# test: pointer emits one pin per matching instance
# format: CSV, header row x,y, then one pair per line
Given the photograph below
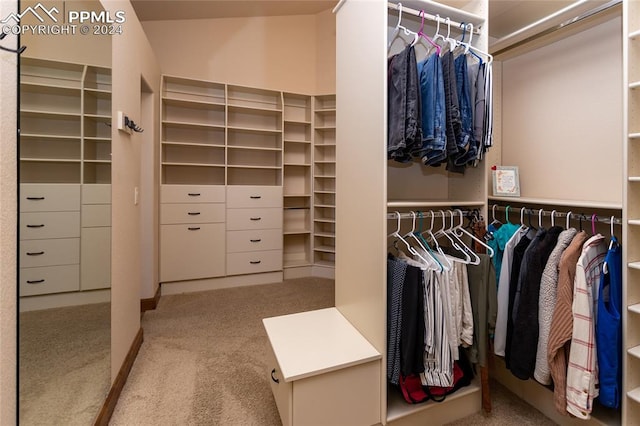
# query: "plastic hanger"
x,y
397,235
398,27
540,218
493,215
423,243
473,237
593,223
568,219
613,242
426,37
470,256
430,264
553,218
443,257
443,233
506,214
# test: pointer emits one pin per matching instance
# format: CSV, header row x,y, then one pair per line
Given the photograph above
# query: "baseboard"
x,y
323,272
151,303
118,384
61,300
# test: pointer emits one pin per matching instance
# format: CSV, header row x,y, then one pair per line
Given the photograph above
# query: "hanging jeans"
x,y
467,151
434,138
404,109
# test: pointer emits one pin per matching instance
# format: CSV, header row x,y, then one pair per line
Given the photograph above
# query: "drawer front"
x,y
254,262
243,219
49,279
95,259
254,196
192,251
192,194
192,213
254,240
282,391
35,226
96,215
49,197
96,193
62,251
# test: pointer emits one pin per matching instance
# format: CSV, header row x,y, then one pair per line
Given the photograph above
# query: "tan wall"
x,y
132,59
84,49
326,52
8,225
270,52
561,117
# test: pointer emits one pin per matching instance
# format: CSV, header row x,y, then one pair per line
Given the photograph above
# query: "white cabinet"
x,y
254,229
95,256
192,232
322,371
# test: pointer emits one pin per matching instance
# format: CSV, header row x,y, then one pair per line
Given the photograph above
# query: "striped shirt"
x,y
582,371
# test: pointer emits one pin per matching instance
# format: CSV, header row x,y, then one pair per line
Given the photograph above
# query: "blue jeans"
x,y
434,138
404,107
467,150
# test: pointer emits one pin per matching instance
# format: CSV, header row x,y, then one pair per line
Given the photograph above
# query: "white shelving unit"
x,y
631,213
324,181
65,176
297,161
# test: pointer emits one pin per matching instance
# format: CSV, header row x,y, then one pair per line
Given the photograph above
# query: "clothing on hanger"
x,y
547,303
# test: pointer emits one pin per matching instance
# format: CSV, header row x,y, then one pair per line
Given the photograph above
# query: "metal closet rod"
x,y
426,214
443,20
574,215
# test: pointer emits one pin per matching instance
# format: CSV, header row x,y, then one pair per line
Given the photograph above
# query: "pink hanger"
x,y
593,223
426,37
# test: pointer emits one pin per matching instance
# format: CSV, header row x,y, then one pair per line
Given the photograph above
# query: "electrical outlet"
x,y
121,122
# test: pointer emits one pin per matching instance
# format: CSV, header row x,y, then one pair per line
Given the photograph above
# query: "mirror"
x,y
64,215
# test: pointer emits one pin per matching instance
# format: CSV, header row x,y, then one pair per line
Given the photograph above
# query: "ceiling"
x,y
505,16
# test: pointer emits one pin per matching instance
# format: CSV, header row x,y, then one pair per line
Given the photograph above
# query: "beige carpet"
x,y
203,360
64,364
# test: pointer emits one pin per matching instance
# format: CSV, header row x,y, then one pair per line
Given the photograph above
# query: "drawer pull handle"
x,y
193,228
193,213
255,197
35,281
194,194
272,377
255,262
35,253
255,218
256,241
35,226
35,198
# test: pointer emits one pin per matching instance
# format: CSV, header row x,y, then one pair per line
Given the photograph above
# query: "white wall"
x,y
8,225
132,59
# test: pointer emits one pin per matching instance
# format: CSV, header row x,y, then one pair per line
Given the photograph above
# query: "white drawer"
x,y
49,279
254,196
193,251
242,219
192,194
36,226
96,215
192,213
254,240
49,197
62,251
96,193
254,262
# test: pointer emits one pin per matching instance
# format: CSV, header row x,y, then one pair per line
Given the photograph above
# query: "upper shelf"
x,y
552,202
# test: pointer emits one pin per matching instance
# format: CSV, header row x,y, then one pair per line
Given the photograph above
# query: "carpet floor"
x,y
203,360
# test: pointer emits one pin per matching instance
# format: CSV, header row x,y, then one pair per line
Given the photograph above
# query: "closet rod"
x,y
469,18
535,30
426,214
558,215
